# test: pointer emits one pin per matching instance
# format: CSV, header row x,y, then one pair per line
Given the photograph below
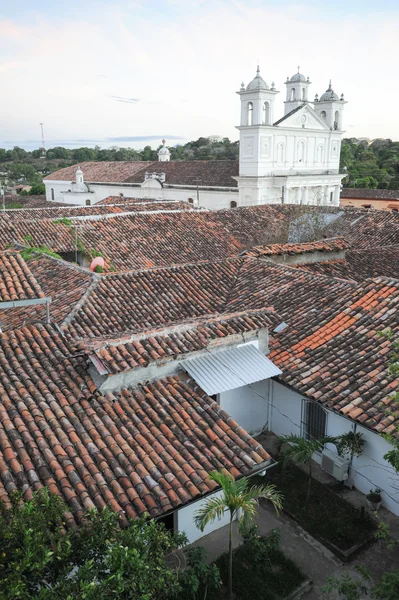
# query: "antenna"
x,y
43,148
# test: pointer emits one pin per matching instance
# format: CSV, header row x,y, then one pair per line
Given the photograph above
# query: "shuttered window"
x,y
314,420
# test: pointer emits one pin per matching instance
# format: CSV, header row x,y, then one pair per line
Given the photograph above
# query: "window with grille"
x,y
314,420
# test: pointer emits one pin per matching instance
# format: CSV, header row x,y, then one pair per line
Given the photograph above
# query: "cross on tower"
x,y
298,68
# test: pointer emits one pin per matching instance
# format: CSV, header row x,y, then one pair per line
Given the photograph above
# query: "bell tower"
x,y
330,108
257,118
297,91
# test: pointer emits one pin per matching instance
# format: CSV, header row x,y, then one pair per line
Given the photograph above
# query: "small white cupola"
x,y
79,175
79,184
297,91
330,108
163,152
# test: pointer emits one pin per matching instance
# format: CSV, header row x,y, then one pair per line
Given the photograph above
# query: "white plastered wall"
x,y
185,520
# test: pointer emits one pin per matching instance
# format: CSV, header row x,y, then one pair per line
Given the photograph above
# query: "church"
x,y
291,160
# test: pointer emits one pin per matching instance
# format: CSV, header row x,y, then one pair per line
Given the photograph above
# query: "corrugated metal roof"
x,y
229,369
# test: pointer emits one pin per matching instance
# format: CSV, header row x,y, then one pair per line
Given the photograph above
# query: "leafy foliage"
x,y
350,443
199,578
299,450
237,498
262,570
326,516
42,559
27,253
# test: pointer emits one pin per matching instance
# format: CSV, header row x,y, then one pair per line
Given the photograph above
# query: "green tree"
x,y
296,449
37,189
239,500
41,558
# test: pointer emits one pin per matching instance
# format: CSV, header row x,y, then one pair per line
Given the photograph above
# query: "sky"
x,y
130,72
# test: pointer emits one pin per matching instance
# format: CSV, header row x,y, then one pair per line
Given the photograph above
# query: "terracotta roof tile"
x,y
146,449
325,245
16,280
130,353
360,264
339,358
186,172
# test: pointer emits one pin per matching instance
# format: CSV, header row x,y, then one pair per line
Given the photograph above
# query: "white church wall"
x,y
248,405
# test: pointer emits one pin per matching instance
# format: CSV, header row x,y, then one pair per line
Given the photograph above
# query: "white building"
x,y
292,160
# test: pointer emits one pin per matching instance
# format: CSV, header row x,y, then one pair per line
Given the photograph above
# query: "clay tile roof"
x,y
366,228
151,239
16,280
101,172
69,212
326,245
368,194
133,352
144,450
212,173
338,357
360,264
65,283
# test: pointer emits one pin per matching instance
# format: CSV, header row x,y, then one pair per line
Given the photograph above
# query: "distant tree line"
x,y
367,164
370,164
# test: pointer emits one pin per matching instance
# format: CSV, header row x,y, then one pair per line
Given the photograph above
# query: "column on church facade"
x,y
297,195
306,196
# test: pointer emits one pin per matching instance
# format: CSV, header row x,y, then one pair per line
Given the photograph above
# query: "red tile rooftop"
x,y
144,450
214,173
325,245
16,280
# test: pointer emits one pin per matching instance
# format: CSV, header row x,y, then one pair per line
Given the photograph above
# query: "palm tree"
x,y
240,501
300,450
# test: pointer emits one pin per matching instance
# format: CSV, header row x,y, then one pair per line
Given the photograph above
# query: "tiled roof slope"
x,y
65,283
134,352
148,449
366,228
212,173
31,202
293,293
118,200
155,298
368,194
340,360
326,245
360,264
16,280
101,172
209,172
145,240
34,214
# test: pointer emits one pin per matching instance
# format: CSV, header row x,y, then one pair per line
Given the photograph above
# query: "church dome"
x,y
329,95
257,83
298,77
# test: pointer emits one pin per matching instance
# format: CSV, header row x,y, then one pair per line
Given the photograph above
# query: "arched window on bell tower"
x,y
323,114
250,113
266,113
292,96
304,94
337,124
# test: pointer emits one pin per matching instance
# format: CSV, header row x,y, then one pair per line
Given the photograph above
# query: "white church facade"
x,y
294,160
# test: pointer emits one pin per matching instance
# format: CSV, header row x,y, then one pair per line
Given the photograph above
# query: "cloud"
x,y
199,51
123,99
